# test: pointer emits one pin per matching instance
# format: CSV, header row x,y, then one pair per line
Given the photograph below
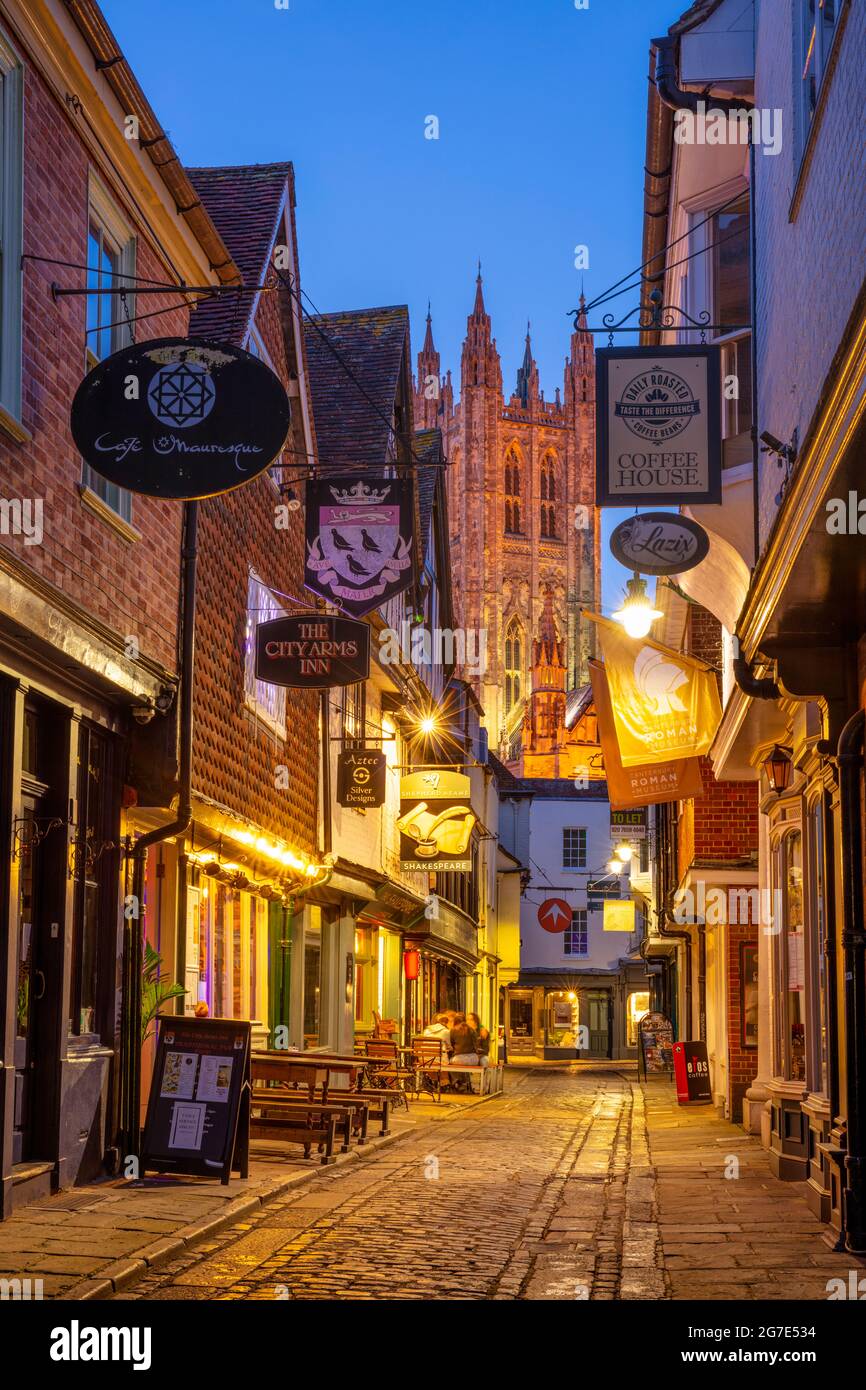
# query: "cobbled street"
x,y
575,1184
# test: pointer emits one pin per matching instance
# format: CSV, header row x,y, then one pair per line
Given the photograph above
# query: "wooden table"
x,y
314,1069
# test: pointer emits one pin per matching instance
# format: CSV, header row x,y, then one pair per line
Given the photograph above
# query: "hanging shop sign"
x,y
629,825
648,784
436,820
178,418
692,1073
198,1113
618,916
655,1045
361,778
659,543
359,540
312,651
665,705
658,425
554,915
601,890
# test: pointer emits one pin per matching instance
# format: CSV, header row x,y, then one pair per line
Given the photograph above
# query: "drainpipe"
x,y
702,981
130,1038
673,95
758,687
850,757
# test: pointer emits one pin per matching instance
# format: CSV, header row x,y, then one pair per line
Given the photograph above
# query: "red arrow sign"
x,y
554,915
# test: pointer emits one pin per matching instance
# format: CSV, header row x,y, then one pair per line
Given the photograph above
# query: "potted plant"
x,y
154,990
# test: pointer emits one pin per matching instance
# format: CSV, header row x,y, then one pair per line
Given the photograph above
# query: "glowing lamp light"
x,y
427,725
615,866
411,964
624,851
637,614
779,769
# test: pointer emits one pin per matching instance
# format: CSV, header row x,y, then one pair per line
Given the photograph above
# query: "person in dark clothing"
x,y
482,1039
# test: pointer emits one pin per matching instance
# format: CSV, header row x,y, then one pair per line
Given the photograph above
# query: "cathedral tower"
x,y
524,526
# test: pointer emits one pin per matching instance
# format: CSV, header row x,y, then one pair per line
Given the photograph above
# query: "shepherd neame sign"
x,y
180,418
658,425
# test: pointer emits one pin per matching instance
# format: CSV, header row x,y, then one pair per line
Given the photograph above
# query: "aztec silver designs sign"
x,y
180,417
359,540
658,425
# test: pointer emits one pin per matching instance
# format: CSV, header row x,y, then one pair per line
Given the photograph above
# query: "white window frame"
x,y
267,702
581,830
580,926
824,46
102,210
11,234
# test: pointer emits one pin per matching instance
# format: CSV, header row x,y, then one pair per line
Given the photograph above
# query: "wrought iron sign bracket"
x,y
658,318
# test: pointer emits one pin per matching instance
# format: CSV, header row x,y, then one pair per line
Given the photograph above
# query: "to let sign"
x,y
311,651
658,425
361,778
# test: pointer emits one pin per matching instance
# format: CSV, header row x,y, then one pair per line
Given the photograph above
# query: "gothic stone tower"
x,y
521,495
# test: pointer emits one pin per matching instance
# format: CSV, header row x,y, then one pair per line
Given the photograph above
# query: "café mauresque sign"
x,y
659,543
180,418
658,425
312,651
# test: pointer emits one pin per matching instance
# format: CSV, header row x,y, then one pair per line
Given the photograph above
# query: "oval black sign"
x,y
312,651
180,417
659,543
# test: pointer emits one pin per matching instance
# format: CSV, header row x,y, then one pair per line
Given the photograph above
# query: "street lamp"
x,y
624,851
779,769
637,614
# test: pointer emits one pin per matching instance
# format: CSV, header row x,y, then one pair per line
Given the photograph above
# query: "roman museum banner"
x,y
644,785
665,705
178,418
359,540
658,425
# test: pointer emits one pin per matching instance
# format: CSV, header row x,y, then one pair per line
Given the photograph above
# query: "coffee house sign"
x,y
658,425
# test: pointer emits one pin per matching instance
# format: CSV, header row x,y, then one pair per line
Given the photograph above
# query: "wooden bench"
x,y
282,1112
490,1076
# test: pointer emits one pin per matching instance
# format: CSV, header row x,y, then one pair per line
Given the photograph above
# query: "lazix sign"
x,y
359,540
658,425
180,418
312,651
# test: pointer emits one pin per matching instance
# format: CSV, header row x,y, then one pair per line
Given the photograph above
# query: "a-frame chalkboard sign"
x,y
198,1113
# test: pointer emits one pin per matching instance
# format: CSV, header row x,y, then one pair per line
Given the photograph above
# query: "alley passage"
x,y
574,1184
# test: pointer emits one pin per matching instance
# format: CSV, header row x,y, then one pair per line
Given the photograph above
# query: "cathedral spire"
x,y
428,349
478,310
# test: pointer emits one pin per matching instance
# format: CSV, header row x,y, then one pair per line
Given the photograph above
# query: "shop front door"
x,y
32,1082
521,1039
598,1019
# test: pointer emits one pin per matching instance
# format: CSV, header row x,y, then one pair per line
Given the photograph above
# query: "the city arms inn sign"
x,y
658,425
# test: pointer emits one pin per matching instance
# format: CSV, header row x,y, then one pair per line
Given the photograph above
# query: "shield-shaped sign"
x,y
180,417
359,540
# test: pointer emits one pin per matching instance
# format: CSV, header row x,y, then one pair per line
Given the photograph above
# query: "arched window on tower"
x,y
584,388
513,663
548,496
512,492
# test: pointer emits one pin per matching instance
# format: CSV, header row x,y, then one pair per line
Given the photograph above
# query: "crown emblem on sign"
x,y
359,495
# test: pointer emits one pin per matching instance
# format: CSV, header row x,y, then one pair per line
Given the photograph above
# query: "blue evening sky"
x,y
542,118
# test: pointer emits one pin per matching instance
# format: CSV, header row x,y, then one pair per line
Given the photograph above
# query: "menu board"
x,y
198,1111
692,1073
655,1051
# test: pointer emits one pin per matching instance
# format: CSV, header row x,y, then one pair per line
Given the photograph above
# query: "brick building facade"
x,y
521,502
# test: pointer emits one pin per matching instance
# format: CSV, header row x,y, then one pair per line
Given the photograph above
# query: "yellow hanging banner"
x,y
665,705
619,914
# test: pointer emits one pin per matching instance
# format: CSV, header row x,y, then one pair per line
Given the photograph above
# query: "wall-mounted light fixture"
x,y
779,768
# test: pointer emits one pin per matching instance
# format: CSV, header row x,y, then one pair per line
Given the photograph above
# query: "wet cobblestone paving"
x,y
576,1185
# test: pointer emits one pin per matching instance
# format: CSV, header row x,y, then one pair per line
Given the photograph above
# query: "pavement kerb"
x,y
127,1270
